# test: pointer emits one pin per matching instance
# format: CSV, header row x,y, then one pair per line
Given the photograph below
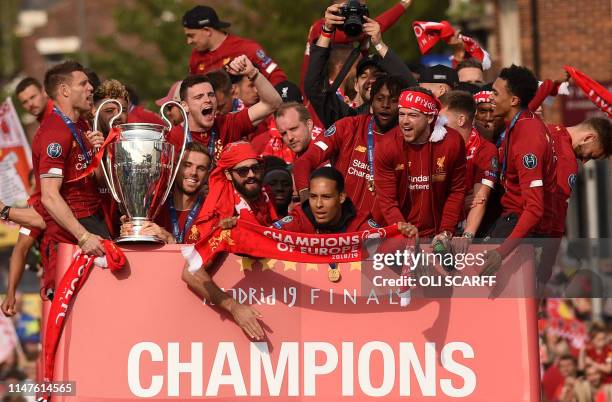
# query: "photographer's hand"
x,y
332,20
372,29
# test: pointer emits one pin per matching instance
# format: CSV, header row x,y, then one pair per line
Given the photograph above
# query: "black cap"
x,y
439,74
370,61
203,17
289,92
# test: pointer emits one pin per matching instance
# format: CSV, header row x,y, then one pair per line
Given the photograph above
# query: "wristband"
x,y
327,31
84,238
4,214
327,35
379,47
254,76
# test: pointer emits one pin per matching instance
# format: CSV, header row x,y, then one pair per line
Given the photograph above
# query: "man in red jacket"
x,y
350,145
329,210
213,130
213,48
420,169
527,166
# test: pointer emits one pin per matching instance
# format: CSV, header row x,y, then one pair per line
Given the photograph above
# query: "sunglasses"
x,y
243,171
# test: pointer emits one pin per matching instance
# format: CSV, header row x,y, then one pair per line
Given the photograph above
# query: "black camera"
x,y
353,12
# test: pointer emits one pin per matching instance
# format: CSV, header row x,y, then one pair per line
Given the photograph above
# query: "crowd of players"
x,y
435,150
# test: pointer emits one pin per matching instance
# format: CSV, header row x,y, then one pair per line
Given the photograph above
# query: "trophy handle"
x,y
110,124
185,136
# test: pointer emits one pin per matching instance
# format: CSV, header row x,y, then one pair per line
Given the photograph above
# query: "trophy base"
x,y
138,239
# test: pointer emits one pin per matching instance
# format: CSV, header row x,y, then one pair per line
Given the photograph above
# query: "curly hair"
x,y
110,89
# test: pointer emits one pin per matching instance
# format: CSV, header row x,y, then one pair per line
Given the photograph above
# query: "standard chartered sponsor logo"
x,y
360,169
419,182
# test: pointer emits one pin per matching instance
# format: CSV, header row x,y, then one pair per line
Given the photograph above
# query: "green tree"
x,y
148,51
281,26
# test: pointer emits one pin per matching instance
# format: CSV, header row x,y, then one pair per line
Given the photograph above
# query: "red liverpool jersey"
x,y
56,153
234,46
530,177
345,144
422,184
567,170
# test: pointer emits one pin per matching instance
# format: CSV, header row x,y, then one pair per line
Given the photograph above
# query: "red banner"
x,y
140,333
266,242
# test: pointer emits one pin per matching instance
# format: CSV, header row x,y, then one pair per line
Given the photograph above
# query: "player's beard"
x,y
248,194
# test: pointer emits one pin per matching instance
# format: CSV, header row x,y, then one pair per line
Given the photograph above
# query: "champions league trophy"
x,y
139,169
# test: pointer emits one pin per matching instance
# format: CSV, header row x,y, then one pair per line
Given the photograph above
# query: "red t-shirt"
x,y
567,169
234,46
139,114
481,162
345,144
297,221
386,20
163,219
55,153
530,177
421,184
228,128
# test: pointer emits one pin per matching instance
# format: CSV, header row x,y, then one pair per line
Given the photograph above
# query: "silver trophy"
x,y
139,169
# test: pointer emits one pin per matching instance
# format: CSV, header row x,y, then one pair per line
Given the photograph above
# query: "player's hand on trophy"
x,y
228,223
95,138
8,305
91,244
153,229
241,65
246,317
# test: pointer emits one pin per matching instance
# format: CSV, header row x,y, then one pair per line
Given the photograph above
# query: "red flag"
x,y
596,93
429,33
474,51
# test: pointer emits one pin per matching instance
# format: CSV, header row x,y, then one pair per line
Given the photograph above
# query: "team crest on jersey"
x,y
530,161
399,166
279,224
571,180
201,67
54,150
330,131
440,164
373,224
360,148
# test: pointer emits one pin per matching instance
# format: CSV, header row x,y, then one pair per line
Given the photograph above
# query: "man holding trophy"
x,y
216,131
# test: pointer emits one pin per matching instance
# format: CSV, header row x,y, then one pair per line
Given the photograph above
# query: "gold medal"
x,y
333,274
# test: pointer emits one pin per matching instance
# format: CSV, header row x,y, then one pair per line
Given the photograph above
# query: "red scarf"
x,y
473,143
429,33
275,145
70,284
222,200
95,162
595,91
266,242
